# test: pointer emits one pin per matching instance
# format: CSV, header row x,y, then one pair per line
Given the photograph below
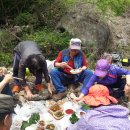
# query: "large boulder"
x,y
83,21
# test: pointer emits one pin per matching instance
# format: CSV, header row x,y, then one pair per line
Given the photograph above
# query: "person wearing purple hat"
x,y
110,76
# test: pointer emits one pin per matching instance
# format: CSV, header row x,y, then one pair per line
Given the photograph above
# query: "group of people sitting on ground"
x,y
106,76
28,55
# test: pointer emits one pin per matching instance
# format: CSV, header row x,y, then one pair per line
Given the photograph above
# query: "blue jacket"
x,y
110,79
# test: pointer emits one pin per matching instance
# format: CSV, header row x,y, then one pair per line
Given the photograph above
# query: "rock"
x,y
84,22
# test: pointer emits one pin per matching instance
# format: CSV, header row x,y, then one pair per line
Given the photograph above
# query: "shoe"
x,y
123,101
39,87
74,87
59,96
16,89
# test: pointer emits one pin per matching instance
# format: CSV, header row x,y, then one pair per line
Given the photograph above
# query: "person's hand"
x,y
29,95
65,65
80,98
77,99
80,70
8,78
3,71
127,90
50,90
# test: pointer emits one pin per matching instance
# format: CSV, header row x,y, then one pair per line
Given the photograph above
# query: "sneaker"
x,y
74,87
123,101
16,89
59,96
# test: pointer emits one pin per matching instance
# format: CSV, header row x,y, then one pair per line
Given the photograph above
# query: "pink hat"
x,y
102,68
99,95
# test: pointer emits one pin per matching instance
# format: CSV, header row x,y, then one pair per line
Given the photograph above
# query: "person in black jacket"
x,y
28,55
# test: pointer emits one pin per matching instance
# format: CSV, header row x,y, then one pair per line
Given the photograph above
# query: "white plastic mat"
x,y
24,113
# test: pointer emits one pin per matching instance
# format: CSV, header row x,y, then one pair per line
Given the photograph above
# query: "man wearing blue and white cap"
x,y
6,111
66,63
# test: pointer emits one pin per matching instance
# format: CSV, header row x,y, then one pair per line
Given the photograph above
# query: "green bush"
x,y
25,18
117,6
50,41
5,59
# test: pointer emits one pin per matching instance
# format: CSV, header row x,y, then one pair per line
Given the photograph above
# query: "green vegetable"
x,y
73,119
85,107
24,125
32,120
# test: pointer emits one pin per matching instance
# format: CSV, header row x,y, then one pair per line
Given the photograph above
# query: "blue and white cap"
x,y
75,43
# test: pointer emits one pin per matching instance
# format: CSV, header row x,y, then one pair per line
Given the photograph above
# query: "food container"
x,y
50,126
54,108
58,115
41,125
74,71
69,111
81,113
56,111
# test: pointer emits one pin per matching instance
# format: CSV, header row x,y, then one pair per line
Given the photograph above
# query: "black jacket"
x,y
25,49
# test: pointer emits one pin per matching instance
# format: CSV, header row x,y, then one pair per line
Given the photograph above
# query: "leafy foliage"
x,y
85,107
35,117
24,19
6,49
50,41
41,13
117,6
73,119
5,59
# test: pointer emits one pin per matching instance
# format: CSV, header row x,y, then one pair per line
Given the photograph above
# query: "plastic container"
x,y
58,115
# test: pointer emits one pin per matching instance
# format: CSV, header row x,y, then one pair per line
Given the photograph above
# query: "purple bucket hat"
x,y
102,68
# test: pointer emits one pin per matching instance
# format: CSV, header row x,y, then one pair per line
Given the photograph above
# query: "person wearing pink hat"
x,y
110,76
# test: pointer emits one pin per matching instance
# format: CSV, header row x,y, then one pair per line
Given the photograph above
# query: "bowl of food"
x,y
41,125
75,71
81,113
69,111
50,127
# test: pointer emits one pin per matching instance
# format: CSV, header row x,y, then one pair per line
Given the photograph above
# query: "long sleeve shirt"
x,y
25,49
109,79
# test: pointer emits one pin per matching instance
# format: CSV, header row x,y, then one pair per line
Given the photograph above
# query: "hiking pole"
x,y
17,78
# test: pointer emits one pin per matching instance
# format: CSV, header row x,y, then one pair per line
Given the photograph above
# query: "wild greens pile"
x,y
73,119
35,117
